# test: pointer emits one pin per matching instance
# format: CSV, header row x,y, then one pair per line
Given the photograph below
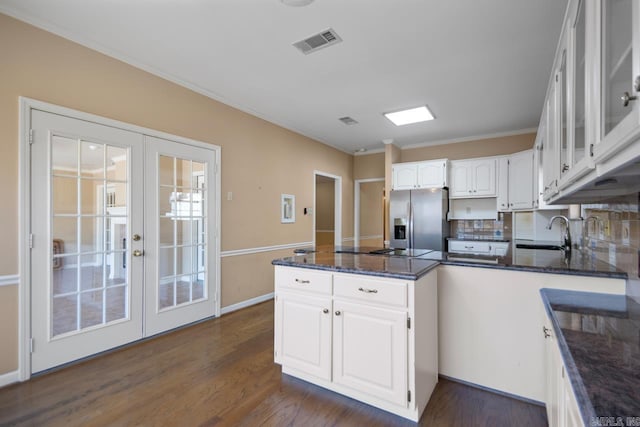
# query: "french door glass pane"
x,y
617,38
182,270
89,190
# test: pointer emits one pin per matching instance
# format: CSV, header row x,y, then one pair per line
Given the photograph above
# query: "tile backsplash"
x,y
482,229
613,236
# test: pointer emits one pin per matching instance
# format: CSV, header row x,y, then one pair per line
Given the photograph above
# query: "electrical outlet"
x,y
626,233
230,195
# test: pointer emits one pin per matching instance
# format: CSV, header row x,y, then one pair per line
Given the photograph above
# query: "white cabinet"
x,y
521,180
591,118
370,350
359,335
560,400
427,174
473,178
515,181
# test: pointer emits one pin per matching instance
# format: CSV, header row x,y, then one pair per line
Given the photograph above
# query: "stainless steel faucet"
x,y
567,234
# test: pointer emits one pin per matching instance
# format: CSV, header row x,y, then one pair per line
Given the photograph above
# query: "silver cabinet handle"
x,y
368,291
565,167
468,247
338,313
303,282
325,311
546,331
626,98
136,237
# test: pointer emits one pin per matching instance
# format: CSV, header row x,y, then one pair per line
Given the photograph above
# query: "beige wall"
x,y
260,160
471,149
8,328
325,206
368,166
371,208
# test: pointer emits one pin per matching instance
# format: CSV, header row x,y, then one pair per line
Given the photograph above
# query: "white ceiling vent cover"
x,y
349,121
318,41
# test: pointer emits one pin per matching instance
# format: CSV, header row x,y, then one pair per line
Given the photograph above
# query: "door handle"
x,y
136,237
138,252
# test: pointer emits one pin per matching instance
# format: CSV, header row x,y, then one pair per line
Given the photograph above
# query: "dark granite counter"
x,y
599,340
533,260
405,268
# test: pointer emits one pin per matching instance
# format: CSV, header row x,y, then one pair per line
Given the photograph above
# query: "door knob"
x,y
626,98
136,237
338,313
138,252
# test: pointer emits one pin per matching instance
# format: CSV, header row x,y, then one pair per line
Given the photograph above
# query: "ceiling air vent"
x,y
318,41
348,120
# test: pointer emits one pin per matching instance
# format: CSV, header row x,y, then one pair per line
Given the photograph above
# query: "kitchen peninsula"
x,y
478,307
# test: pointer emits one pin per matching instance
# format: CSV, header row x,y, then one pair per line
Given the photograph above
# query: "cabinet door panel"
x,y
485,178
404,176
521,180
370,350
460,180
431,175
304,332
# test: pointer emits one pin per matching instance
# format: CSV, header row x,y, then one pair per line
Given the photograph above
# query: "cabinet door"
x,y
620,66
521,180
484,174
503,184
303,334
432,174
405,177
461,177
370,350
551,149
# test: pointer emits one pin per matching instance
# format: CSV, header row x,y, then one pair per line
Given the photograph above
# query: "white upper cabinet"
x,y
617,51
521,180
473,178
503,184
428,174
591,118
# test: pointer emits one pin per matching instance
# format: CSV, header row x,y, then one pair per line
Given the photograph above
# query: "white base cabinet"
x,y
560,400
490,332
360,336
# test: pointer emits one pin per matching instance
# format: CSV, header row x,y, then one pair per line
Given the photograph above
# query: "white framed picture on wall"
x,y
288,208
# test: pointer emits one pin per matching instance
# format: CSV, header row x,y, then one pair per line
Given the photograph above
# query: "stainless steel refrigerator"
x,y
418,219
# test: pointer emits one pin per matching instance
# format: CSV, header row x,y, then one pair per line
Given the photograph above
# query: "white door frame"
x,y
356,208
24,210
337,206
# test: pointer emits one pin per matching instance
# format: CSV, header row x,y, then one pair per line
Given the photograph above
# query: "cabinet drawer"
x,y
469,247
371,290
304,280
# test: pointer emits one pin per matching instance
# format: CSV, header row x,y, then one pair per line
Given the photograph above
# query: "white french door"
x,y
178,197
122,230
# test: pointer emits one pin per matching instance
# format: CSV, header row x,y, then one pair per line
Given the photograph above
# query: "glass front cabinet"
x,y
591,112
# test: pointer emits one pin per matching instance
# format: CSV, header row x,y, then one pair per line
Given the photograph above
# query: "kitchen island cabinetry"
x,y
489,325
359,335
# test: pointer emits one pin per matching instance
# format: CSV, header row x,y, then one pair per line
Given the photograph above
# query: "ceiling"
x,y
482,66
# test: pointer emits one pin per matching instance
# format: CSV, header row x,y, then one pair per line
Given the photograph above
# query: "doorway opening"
x,y
327,208
369,213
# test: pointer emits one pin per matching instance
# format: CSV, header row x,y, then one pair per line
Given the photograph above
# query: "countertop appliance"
x,y
418,219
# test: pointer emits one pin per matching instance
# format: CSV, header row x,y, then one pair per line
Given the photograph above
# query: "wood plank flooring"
x,y
221,373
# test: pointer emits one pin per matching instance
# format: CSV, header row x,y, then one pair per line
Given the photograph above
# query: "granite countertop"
x,y
533,260
599,340
405,268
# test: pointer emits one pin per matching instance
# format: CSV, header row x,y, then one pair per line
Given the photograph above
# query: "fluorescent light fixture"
x,y
412,115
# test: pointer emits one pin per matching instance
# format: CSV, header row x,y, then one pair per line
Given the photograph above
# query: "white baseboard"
x,y
246,303
9,378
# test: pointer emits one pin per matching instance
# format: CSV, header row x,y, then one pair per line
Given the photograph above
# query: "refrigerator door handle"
x,y
410,240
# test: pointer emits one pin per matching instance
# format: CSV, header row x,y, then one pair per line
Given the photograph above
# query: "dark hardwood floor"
x,y
221,373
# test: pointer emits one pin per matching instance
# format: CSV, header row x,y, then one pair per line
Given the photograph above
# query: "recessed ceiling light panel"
x,y
412,115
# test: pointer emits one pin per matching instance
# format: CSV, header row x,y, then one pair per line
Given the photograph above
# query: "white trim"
x,y
377,236
324,231
337,206
348,239
246,303
249,251
356,205
10,279
9,378
470,138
